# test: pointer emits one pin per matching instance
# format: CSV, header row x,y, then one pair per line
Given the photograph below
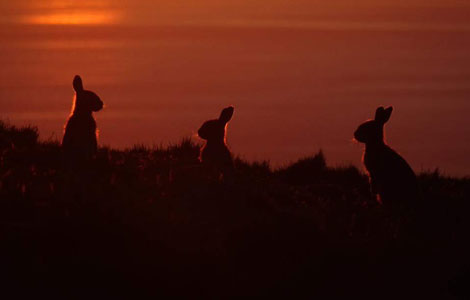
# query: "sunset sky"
x,y
302,74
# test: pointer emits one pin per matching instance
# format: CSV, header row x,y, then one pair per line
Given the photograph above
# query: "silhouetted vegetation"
x,y
148,221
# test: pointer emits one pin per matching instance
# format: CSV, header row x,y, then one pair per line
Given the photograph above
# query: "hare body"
x,y
215,152
80,138
391,177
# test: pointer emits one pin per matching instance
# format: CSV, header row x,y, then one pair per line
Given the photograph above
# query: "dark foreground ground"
x,y
149,222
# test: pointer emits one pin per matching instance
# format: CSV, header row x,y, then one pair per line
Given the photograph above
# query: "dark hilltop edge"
x,y
147,221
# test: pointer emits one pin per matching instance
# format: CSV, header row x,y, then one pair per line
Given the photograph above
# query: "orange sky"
x,y
317,67
157,12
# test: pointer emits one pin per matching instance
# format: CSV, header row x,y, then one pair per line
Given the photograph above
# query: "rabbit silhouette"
x,y
392,180
80,138
215,152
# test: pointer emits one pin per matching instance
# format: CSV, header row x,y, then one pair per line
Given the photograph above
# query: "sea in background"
x,y
301,74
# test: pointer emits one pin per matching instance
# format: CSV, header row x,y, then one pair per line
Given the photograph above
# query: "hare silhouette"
x,y
392,180
80,142
215,152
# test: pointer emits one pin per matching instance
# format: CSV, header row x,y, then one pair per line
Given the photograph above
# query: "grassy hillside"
x,y
149,221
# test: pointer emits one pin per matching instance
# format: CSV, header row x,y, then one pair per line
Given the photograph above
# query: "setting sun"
x,y
75,18
60,12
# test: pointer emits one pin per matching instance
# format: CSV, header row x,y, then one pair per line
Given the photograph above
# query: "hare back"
x,y
216,155
392,175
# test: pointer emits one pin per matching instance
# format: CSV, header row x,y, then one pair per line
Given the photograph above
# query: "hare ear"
x,y
226,114
382,115
77,84
379,113
387,114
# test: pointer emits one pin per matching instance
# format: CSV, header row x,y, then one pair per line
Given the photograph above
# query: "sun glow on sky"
x,y
60,12
75,18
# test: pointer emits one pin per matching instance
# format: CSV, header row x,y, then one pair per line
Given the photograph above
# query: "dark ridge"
x,y
146,221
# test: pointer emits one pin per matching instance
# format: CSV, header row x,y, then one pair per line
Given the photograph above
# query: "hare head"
x,y
85,101
372,131
214,130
